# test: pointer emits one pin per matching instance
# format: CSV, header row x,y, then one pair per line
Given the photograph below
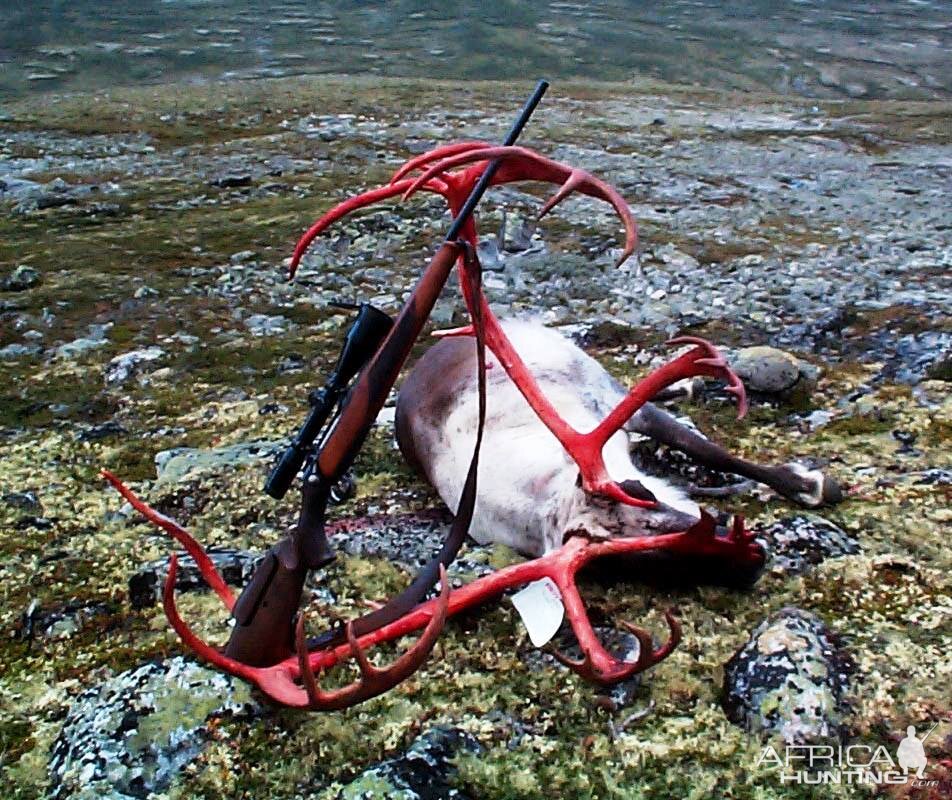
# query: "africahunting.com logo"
x,y
854,764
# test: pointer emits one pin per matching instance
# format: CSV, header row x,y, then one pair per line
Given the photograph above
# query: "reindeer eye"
x,y
637,491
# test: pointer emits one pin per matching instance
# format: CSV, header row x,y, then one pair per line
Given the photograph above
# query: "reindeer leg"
x,y
810,488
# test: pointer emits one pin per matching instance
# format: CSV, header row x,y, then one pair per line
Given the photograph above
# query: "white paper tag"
x,y
540,606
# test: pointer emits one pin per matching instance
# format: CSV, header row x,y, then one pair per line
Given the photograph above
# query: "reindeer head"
x,y
598,517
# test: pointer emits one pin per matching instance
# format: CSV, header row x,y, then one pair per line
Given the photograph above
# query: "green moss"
x,y
16,738
875,422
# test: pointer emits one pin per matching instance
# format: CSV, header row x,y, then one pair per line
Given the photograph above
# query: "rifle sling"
x,y
410,597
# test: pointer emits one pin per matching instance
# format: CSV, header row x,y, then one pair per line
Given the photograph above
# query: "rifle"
x,y
375,351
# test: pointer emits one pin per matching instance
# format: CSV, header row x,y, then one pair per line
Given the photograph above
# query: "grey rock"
x,y
423,772
14,351
242,256
767,369
796,544
818,418
264,325
19,189
56,199
231,180
22,278
936,476
60,622
408,540
292,362
914,357
125,366
183,463
235,566
105,430
25,501
129,736
789,679
78,347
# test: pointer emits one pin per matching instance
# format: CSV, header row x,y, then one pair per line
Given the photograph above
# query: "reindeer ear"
x,y
636,490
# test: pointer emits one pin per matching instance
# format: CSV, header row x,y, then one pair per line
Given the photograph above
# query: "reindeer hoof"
x,y
815,489
832,492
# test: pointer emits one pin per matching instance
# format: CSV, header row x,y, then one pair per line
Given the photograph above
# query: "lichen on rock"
x,y
789,680
130,736
795,544
423,772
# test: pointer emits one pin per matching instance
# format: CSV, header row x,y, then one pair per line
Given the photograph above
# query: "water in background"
x,y
827,48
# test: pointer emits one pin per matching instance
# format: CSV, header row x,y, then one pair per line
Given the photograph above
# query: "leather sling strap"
x,y
410,597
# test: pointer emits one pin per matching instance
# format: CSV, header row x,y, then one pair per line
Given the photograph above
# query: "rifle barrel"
x,y
480,188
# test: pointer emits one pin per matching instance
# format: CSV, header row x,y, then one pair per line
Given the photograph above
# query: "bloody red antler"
x,y
373,681
522,164
292,682
518,164
353,204
586,448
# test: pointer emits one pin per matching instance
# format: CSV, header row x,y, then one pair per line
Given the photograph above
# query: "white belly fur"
x,y
526,480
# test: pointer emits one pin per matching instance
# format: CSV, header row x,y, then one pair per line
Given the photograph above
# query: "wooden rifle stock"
x,y
264,613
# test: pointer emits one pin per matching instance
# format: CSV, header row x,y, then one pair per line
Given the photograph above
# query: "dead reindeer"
x,y
556,481
531,498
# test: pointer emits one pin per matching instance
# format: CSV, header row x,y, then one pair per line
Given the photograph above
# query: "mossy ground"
x,y
543,732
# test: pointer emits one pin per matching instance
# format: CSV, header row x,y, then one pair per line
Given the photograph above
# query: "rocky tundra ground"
x,y
147,326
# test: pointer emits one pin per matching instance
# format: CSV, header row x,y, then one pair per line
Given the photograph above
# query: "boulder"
x,y
788,680
125,366
768,370
797,544
184,463
130,735
22,278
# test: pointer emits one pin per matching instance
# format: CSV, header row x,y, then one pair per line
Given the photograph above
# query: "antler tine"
x,y
575,180
704,359
314,695
438,153
648,656
520,164
205,565
620,671
373,680
571,663
716,366
597,664
351,204
738,544
200,647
